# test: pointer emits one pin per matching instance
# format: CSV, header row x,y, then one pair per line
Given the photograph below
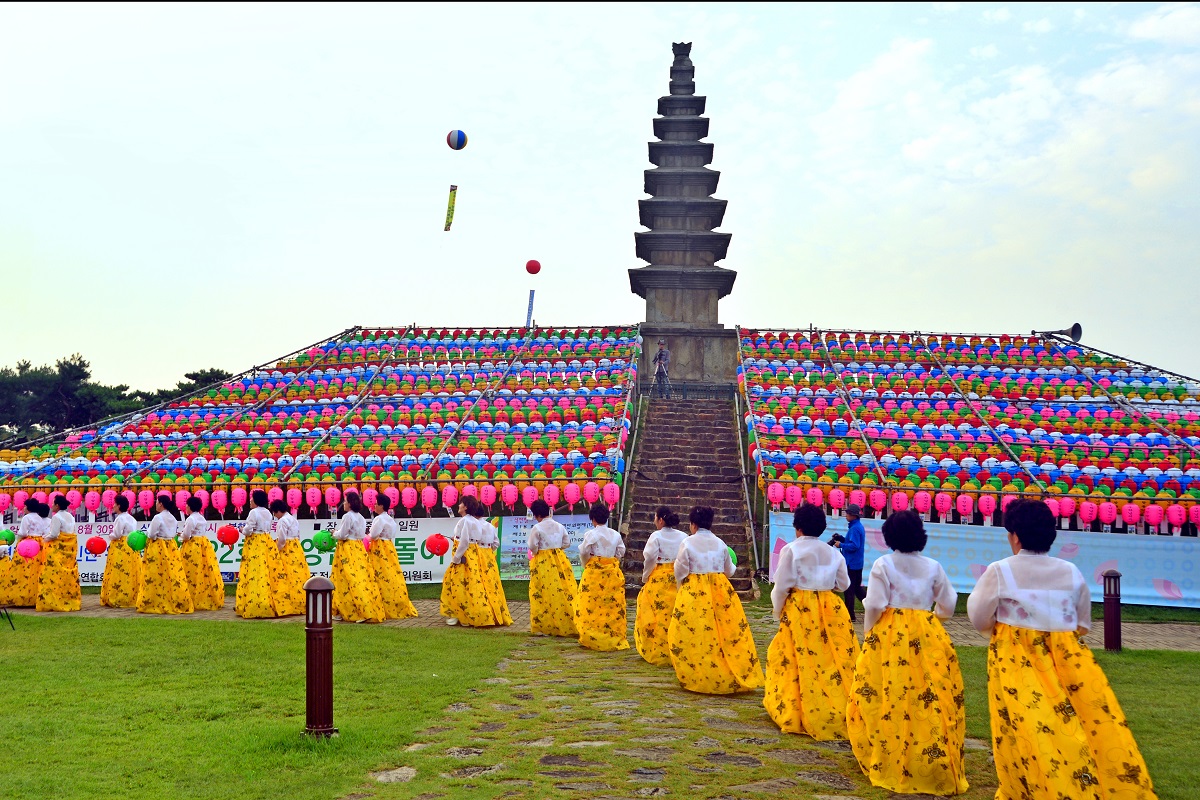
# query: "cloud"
x,y
985,52
997,15
1041,26
1177,23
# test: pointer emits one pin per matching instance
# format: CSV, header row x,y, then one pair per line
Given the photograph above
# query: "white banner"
x,y
514,544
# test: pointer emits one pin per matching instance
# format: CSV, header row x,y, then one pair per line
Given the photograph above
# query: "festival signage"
x,y
1155,570
514,544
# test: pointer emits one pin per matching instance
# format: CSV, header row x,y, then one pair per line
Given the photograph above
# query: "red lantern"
x,y
437,544
227,535
96,545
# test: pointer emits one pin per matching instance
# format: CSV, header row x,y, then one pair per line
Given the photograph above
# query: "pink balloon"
x,y
792,495
571,493
591,492
312,496
408,497
238,497
550,495
899,501
612,493
91,501
28,548
429,497
449,495
528,495
487,495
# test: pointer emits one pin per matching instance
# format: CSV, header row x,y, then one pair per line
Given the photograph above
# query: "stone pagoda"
x,y
682,283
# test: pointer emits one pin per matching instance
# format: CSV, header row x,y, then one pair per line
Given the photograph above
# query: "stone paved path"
x,y
1135,635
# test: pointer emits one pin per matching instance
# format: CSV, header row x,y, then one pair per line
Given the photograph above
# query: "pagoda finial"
x,y
682,72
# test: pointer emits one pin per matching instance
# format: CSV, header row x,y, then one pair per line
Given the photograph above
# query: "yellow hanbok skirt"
x,y
291,573
905,717
655,602
58,585
24,575
810,666
466,592
122,576
164,588
552,594
5,574
355,592
1056,725
256,578
393,591
495,588
709,638
203,573
600,607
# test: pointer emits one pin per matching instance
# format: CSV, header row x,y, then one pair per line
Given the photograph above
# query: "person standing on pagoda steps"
x,y
256,577
123,567
164,588
200,561
600,608
291,567
1057,728
58,585
656,600
25,573
811,660
552,588
393,591
905,717
356,595
712,648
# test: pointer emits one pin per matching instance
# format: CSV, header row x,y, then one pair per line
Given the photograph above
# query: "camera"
x,y
837,537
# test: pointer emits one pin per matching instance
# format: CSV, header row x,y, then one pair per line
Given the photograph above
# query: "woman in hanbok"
x,y
393,591
489,542
656,600
466,595
164,588
200,561
810,663
123,566
58,585
905,717
600,608
552,587
356,595
291,567
711,645
1057,728
25,573
256,576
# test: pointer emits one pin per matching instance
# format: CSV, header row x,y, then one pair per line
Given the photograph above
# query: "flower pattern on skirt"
x,y
711,646
291,573
164,588
655,603
810,666
355,592
906,718
600,606
552,594
490,560
23,576
393,591
256,578
58,585
5,575
1057,729
122,576
466,590
203,574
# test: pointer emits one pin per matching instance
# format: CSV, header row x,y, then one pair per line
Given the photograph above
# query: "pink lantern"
x,y
370,498
1006,501
1052,504
470,491
146,500
858,497
775,495
1176,516
238,497
899,501
40,496
1194,514
429,497
408,498
814,496
109,499
449,495
487,495
792,495
333,496
274,493
508,495
29,548
181,498
877,499
591,492
1088,512
312,496
91,501
1154,517
1108,514
1131,514
612,493
571,493
528,495
19,498
922,502
5,502
220,500
837,499
1066,508
294,498
74,498
551,495
987,507
943,502
393,494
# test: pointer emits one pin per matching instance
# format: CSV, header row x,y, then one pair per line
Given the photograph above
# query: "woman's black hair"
x,y
168,504
809,520
540,508
701,517
279,506
354,501
122,503
384,501
194,504
1033,523
471,504
904,532
61,503
43,510
598,513
32,504
259,497
669,517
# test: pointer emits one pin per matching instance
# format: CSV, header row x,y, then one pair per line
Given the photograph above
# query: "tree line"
x,y
36,401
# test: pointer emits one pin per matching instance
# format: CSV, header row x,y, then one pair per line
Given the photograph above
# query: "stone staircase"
x,y
687,455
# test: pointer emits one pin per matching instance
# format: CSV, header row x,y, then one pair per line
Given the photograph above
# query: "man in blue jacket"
x,y
852,550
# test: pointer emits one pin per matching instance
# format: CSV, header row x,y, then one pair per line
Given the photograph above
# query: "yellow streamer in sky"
x,y
450,206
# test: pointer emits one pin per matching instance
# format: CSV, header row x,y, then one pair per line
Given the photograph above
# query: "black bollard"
x,y
319,657
1112,611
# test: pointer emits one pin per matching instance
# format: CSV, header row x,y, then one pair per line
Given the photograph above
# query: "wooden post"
x,y
319,657
1112,611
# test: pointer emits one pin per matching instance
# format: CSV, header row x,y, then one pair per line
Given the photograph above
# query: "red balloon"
x,y
533,267
227,535
437,544
96,545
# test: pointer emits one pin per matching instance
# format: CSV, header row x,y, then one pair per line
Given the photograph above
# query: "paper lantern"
x,y
487,495
74,498
899,501
551,495
220,500
508,495
1066,507
370,497
792,495
1052,504
19,498
7,537
1176,517
145,500
837,498
28,548
449,495
775,495
987,505
5,501
294,498
274,493
965,504
96,545
612,493
1108,513
877,499
429,497
1154,517
228,535
437,544
732,556
528,495
181,498
591,492
136,541
1131,514
238,497
922,501
814,496
571,493
367,544
324,541
408,498
943,502
858,497
1088,512
393,494
312,496
91,501
333,496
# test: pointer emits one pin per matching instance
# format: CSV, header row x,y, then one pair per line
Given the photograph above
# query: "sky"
x,y
216,185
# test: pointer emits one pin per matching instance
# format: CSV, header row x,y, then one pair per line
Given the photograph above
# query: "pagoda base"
x,y
707,354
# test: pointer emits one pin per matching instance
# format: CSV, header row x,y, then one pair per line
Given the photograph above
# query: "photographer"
x,y
662,366
851,546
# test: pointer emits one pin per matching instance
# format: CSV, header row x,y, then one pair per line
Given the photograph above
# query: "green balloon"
x,y
7,537
733,556
136,541
323,541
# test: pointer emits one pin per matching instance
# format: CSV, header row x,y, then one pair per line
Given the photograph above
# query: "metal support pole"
x,y
529,311
319,657
1112,611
